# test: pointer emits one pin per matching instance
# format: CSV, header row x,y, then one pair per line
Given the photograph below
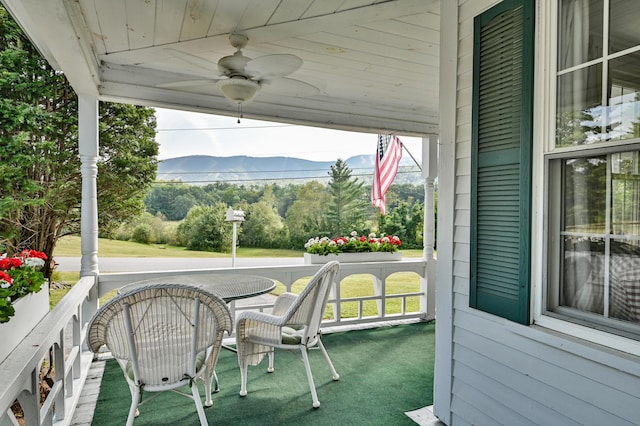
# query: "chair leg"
x,y
243,375
307,367
334,373
272,354
135,400
210,379
198,402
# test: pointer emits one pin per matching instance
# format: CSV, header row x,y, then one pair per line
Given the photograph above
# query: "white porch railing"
x,y
63,330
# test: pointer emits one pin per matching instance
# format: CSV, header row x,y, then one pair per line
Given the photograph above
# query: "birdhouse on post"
x,y
234,216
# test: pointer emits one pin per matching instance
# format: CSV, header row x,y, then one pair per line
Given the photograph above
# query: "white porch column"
x,y
88,149
443,380
429,173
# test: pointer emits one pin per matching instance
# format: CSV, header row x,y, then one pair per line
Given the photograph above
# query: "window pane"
x,y
584,199
624,97
624,268
600,265
579,111
580,29
624,16
585,189
583,274
584,278
624,281
625,190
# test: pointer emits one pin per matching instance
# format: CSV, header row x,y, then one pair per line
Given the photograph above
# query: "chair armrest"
x,y
262,317
259,328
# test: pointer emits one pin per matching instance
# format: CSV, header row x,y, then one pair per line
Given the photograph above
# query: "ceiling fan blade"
x,y
210,68
290,87
187,83
273,66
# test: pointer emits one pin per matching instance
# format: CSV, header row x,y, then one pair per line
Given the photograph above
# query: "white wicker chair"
x,y
164,337
294,324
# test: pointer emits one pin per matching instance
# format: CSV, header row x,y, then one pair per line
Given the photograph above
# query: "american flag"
x,y
388,157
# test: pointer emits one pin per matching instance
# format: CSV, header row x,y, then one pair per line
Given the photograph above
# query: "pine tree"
x,y
348,208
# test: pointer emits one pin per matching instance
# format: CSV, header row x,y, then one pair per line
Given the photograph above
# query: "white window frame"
x,y
544,140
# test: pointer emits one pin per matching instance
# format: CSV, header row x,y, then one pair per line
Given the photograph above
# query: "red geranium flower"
x,y
33,253
7,263
6,278
352,244
19,276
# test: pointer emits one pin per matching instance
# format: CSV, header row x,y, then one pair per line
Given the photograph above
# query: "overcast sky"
x,y
186,133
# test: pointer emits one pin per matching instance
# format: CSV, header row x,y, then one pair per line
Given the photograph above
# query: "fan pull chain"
x,y
240,112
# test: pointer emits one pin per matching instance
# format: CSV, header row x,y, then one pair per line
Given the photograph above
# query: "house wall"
x,y
500,372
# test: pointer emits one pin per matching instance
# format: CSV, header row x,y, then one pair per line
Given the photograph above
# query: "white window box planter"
x,y
311,259
30,310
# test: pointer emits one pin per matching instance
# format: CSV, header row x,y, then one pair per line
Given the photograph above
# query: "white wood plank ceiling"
x,y
375,63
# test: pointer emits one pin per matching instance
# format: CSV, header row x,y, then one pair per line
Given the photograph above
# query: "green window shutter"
x,y
501,160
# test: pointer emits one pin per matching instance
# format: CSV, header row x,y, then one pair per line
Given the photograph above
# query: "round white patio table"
x,y
228,287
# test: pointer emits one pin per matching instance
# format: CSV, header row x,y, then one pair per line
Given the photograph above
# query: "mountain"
x,y
242,169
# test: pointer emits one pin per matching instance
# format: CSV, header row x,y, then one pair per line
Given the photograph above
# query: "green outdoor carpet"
x,y
383,373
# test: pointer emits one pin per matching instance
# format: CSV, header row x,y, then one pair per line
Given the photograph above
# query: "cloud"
x,y
183,133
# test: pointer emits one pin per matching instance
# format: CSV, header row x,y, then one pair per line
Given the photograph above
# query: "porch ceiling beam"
x,y
299,114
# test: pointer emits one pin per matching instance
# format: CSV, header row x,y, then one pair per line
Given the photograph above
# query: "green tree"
x,y
415,225
175,199
406,221
142,233
305,217
127,164
347,209
263,226
40,179
394,223
285,195
160,231
231,196
205,229
159,195
181,205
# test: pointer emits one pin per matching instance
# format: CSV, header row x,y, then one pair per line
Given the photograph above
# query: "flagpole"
x,y
411,155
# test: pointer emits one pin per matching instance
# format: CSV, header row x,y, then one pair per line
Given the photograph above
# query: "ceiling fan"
x,y
240,78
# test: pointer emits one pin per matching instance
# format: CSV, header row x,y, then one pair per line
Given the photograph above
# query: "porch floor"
x,y
360,357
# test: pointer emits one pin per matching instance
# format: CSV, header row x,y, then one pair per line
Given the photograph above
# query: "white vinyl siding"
x,y
503,372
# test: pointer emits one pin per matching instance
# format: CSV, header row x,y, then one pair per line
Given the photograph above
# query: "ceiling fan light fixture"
x,y
238,90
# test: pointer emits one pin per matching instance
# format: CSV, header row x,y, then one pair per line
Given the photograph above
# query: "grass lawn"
x,y
352,286
70,247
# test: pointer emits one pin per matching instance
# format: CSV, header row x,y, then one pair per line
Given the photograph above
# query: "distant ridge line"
x,y
243,169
